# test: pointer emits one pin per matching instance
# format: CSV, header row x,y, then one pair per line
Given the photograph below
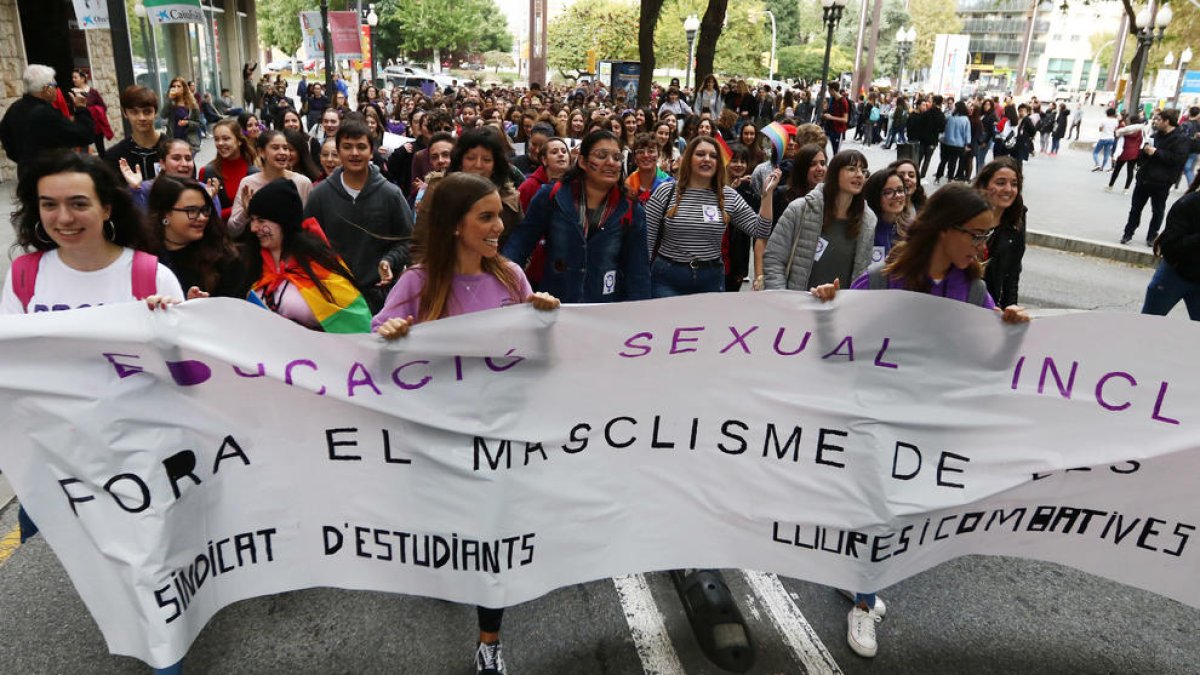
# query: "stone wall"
x,y
104,77
12,63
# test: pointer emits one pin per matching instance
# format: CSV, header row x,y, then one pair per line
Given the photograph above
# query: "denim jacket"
x,y
609,264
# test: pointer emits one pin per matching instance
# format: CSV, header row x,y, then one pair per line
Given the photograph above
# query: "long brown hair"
x,y
244,149
685,175
798,184
187,99
449,202
1014,215
832,188
213,248
948,208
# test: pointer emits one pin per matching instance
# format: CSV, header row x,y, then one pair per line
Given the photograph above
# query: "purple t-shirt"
x,y
955,286
468,293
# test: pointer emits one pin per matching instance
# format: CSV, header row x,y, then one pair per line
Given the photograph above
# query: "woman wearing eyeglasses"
x,y
1000,181
939,255
825,236
186,233
594,231
888,199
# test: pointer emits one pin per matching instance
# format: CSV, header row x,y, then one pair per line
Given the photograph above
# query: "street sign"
x,y
1191,82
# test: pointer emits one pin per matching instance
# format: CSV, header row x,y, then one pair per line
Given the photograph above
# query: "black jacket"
x,y
1165,165
1002,275
31,126
1180,240
146,159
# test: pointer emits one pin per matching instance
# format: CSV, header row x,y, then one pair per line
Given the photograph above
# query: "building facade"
x,y
47,32
998,30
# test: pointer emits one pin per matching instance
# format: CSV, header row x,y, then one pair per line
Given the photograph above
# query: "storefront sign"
x,y
173,11
91,14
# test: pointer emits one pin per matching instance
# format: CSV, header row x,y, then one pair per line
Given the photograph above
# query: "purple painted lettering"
x,y
1100,390
678,339
883,350
1158,404
739,339
364,380
407,386
645,349
848,343
189,373
287,372
797,350
1048,366
124,370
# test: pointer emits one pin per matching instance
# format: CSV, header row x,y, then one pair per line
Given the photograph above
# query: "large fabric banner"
x,y
180,461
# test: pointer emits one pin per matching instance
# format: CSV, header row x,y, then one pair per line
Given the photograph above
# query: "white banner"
x,y
91,14
181,461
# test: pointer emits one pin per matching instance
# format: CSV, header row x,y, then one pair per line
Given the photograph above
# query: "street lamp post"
x,y
325,38
904,44
148,48
774,34
831,14
690,26
372,22
1184,58
1151,23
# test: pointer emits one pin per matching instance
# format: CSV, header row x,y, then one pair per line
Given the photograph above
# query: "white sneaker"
x,y
880,608
860,633
1125,191
489,658
1108,188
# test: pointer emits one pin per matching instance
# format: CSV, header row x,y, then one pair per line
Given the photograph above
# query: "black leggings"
x,y
489,619
1131,164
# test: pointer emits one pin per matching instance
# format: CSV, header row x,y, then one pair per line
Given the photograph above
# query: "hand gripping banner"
x,y
180,461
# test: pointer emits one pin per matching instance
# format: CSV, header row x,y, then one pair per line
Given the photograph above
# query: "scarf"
x,y
348,311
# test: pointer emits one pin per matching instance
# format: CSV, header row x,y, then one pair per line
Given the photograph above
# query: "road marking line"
x,y
10,543
791,624
646,626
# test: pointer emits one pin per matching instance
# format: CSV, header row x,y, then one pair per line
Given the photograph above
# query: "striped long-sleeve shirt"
x,y
696,229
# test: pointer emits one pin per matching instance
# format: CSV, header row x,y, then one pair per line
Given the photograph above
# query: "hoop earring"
x,y
110,230
166,221
39,233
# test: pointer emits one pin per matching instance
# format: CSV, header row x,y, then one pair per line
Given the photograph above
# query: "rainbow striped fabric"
x,y
346,313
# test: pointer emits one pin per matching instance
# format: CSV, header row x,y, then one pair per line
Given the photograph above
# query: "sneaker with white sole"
x,y
880,608
860,633
489,659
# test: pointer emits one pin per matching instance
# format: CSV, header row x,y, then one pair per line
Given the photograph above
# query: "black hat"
x,y
278,201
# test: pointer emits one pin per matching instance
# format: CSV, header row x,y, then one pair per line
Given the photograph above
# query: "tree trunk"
x,y
648,20
706,43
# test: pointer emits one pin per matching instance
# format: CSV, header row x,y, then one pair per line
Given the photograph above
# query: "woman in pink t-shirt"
x,y
460,271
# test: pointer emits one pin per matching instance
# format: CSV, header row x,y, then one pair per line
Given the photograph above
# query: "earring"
x,y
39,233
166,221
110,230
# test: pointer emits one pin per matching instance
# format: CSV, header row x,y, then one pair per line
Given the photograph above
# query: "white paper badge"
x,y
610,282
822,244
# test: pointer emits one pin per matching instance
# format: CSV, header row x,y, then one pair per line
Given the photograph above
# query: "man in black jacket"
x,y
32,126
925,128
1159,168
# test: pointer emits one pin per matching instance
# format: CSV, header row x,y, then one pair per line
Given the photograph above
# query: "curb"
x,y
1126,254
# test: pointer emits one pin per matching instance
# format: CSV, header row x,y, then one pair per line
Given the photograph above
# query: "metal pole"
x,y
687,76
832,14
1178,85
329,88
771,66
1145,38
1026,50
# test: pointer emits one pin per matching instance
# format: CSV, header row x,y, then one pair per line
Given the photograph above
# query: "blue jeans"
x,y
1104,145
28,527
981,157
1165,291
868,598
896,134
1189,169
669,279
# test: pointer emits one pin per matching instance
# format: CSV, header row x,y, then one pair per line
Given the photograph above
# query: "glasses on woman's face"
x,y
195,212
977,237
602,156
894,192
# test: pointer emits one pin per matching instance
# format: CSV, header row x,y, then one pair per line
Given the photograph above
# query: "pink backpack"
x,y
25,270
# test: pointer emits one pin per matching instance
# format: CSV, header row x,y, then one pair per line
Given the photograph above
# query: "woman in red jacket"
x,y
1134,134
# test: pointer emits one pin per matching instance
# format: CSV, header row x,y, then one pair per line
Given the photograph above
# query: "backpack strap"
x,y
978,294
145,275
24,277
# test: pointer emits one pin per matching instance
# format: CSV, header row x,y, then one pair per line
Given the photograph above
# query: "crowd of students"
x,y
604,204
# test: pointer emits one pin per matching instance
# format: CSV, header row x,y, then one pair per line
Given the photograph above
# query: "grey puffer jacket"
x,y
788,260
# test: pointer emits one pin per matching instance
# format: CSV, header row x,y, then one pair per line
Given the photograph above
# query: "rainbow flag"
x,y
725,151
778,135
347,312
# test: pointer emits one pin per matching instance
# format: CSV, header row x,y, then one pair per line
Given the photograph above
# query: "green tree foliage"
x,y
418,27
930,17
739,48
498,60
887,60
279,22
787,21
804,61
604,26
